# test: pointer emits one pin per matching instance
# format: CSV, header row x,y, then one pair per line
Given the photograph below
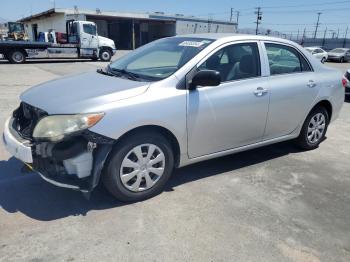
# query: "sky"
x,y
280,15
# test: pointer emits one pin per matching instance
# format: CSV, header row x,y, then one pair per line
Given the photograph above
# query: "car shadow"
x,y
37,199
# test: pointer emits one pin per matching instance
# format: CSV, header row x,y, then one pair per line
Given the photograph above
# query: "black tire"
x,y
16,57
342,60
111,175
105,55
303,141
323,60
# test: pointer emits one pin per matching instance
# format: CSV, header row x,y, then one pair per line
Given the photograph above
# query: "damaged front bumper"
x,y
75,162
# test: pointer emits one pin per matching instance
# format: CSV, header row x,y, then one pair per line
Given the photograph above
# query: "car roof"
x,y
235,37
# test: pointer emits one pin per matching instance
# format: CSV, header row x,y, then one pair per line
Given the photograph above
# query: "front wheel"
x,y
314,129
139,167
342,60
105,55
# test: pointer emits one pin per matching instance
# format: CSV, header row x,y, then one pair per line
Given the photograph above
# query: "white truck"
x,y
82,41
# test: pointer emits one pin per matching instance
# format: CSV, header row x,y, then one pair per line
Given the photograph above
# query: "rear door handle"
x,y
311,84
260,91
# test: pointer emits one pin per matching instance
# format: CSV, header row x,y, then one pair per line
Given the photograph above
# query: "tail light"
x,y
344,81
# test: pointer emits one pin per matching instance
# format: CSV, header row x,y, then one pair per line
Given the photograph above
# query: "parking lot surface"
x,y
271,204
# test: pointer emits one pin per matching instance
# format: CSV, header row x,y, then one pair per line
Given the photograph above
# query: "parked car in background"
x,y
346,83
171,103
318,52
339,55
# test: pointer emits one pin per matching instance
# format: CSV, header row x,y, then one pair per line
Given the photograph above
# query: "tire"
x,y
323,60
306,139
342,60
105,55
134,186
16,57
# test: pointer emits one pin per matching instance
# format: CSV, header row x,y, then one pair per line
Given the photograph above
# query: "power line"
x,y
318,4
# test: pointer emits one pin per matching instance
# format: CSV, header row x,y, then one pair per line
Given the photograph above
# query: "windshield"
x,y
15,27
337,50
161,58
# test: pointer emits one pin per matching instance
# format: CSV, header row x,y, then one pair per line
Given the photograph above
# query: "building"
x,y
128,30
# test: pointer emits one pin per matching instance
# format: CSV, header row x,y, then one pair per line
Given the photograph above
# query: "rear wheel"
x,y
16,56
323,60
139,167
314,129
105,55
342,60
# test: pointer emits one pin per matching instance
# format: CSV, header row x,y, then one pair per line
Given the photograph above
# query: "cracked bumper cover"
x,y
51,160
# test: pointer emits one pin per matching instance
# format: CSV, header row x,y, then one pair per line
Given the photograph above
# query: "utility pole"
x,y
324,37
346,34
298,35
338,34
317,23
237,14
231,16
258,19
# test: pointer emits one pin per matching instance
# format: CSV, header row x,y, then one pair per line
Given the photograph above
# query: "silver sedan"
x,y
171,103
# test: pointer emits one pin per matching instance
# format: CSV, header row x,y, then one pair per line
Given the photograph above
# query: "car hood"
x,y
79,93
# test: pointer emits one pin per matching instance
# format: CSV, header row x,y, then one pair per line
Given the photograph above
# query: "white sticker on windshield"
x,y
191,43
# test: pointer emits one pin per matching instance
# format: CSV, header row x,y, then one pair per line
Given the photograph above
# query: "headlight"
x,y
55,127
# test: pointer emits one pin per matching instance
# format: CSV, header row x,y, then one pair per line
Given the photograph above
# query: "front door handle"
x,y
260,91
311,84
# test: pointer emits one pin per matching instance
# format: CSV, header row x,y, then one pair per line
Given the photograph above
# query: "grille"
x,y
25,119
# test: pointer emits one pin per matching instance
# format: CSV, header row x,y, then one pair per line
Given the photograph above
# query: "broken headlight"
x,y
56,127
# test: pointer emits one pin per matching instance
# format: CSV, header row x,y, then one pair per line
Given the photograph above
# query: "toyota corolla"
x,y
171,103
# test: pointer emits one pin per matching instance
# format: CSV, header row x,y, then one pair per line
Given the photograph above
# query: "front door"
x,y
88,36
234,113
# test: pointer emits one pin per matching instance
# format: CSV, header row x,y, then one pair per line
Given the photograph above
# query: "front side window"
x,y
234,62
89,29
285,60
162,58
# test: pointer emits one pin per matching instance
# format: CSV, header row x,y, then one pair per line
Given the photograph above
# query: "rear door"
x,y
293,88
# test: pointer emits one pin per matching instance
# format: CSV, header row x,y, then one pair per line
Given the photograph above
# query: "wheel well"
x,y
327,105
106,47
9,51
160,130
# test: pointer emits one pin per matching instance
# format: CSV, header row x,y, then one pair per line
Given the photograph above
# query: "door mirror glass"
x,y
205,78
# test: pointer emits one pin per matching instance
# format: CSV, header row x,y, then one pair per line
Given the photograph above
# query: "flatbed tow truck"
x,y
82,41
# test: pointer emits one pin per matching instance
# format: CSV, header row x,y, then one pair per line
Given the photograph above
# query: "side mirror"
x,y
205,78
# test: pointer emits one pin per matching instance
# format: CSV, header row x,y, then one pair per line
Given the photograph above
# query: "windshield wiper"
x,y
105,72
129,74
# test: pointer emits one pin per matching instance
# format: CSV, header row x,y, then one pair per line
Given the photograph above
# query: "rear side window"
x,y
285,60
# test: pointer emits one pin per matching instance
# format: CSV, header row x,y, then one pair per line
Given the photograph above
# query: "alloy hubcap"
x,y
142,167
316,128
